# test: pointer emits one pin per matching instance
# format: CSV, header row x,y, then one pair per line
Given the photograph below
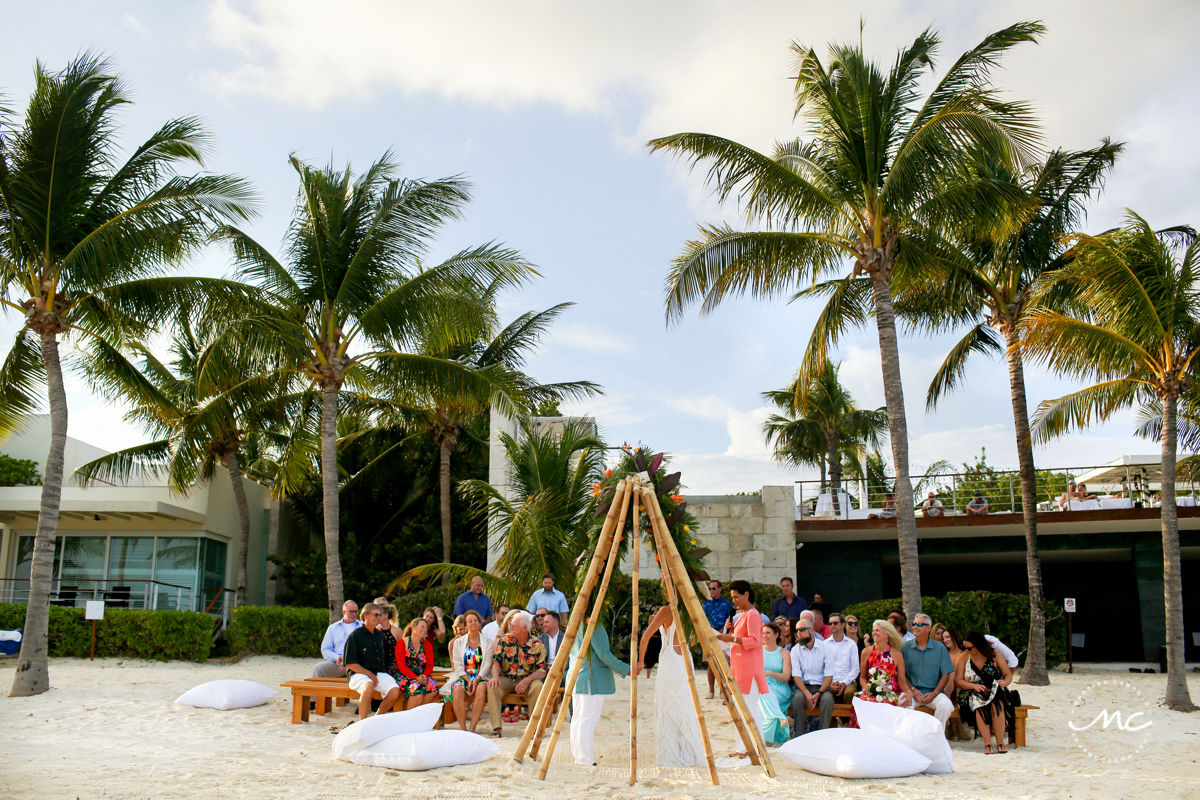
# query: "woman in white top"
x,y
470,657
676,732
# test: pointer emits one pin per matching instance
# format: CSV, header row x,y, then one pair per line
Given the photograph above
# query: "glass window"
x,y
130,566
176,562
83,561
19,589
214,574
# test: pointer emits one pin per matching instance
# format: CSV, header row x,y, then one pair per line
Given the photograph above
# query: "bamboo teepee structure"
x,y
631,492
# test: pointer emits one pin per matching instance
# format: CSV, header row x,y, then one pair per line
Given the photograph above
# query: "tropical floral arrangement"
x,y
680,523
880,688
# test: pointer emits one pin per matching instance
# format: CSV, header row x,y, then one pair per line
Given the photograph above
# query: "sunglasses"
x,y
802,630
920,624
853,623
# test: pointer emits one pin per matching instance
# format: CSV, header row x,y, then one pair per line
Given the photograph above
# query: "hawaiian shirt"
x,y
517,661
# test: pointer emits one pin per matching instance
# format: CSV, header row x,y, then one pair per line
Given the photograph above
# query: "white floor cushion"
x,y
853,753
367,732
228,694
429,750
918,730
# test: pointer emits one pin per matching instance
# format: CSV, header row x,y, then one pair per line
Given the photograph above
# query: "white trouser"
x,y
384,683
584,718
755,709
942,708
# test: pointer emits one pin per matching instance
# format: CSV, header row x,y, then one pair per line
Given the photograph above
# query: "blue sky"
x,y
546,108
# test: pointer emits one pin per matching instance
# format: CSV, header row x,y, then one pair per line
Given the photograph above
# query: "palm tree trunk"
x,y
33,670
272,549
1178,698
444,481
1034,673
329,496
243,507
893,393
835,473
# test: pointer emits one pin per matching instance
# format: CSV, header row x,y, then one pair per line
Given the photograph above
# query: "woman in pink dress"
x,y
881,669
746,651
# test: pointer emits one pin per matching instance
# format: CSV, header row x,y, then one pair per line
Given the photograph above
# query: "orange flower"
x,y
678,498
608,473
596,488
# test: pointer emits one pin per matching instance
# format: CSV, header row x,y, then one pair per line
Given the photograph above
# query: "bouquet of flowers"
x,y
880,688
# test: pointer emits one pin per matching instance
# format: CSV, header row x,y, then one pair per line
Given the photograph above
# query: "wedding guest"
x,y
785,632
842,651
1003,650
789,605
929,669
718,610
459,627
492,629
956,729
881,669
518,665
593,684
900,623
435,622
936,633
777,666
983,698
551,636
334,643
470,664
474,599
810,617
365,660
745,653
414,665
852,631
819,626
389,626
548,597
812,673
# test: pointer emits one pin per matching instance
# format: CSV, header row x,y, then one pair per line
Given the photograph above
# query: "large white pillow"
x,y
367,732
918,730
227,694
853,753
429,750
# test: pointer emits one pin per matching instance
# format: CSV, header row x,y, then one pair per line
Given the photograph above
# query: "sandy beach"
x,y
109,729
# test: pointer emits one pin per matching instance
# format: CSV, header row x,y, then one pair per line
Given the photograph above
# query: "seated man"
x,y
492,629
929,668
1068,497
812,672
842,653
888,511
978,507
366,659
335,642
932,507
519,664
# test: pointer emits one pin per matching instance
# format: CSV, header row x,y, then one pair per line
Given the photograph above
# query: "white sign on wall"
x,y
1069,605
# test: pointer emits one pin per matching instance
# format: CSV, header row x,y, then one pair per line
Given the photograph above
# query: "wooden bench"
x,y
1016,734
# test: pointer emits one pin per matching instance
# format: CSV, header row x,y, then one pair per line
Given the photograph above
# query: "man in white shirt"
x,y
842,653
334,643
812,673
492,629
1003,650
551,636
932,507
548,597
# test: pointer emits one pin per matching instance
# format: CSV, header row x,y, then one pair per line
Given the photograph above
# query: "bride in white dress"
x,y
676,731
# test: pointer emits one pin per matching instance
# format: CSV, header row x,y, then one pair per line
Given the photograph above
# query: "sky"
x,y
546,107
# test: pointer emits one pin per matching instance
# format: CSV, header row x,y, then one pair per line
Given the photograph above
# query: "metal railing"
x,y
153,595
1001,489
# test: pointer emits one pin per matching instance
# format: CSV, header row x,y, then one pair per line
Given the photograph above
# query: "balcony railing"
x,y
1131,486
132,594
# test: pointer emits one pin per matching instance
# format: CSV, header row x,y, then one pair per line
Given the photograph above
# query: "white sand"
x,y
108,729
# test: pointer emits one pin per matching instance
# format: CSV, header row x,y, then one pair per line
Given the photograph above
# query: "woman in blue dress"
x,y
775,703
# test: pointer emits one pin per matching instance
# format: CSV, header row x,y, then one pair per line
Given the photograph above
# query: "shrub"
x,y
131,633
14,471
1005,616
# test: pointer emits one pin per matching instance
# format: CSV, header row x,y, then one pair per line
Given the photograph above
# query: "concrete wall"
x,y
751,538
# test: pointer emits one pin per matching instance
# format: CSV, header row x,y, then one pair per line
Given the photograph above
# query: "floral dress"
x,y
883,682
411,677
995,698
472,660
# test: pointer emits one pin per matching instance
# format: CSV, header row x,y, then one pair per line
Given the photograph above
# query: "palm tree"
x,y
505,353
84,240
824,411
881,176
546,513
1136,333
193,432
353,292
990,286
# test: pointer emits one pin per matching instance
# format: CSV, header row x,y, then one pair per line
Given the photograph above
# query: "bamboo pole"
x,y
590,629
673,602
539,716
755,746
633,644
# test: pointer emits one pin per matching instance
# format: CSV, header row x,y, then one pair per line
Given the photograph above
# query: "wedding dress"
x,y
676,730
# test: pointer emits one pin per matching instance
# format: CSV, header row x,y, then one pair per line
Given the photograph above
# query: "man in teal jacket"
x,y
594,683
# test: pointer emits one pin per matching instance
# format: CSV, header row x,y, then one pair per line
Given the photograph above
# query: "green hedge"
x,y
161,635
1005,616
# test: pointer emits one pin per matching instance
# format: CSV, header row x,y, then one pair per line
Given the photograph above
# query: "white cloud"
x,y
582,336
131,22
